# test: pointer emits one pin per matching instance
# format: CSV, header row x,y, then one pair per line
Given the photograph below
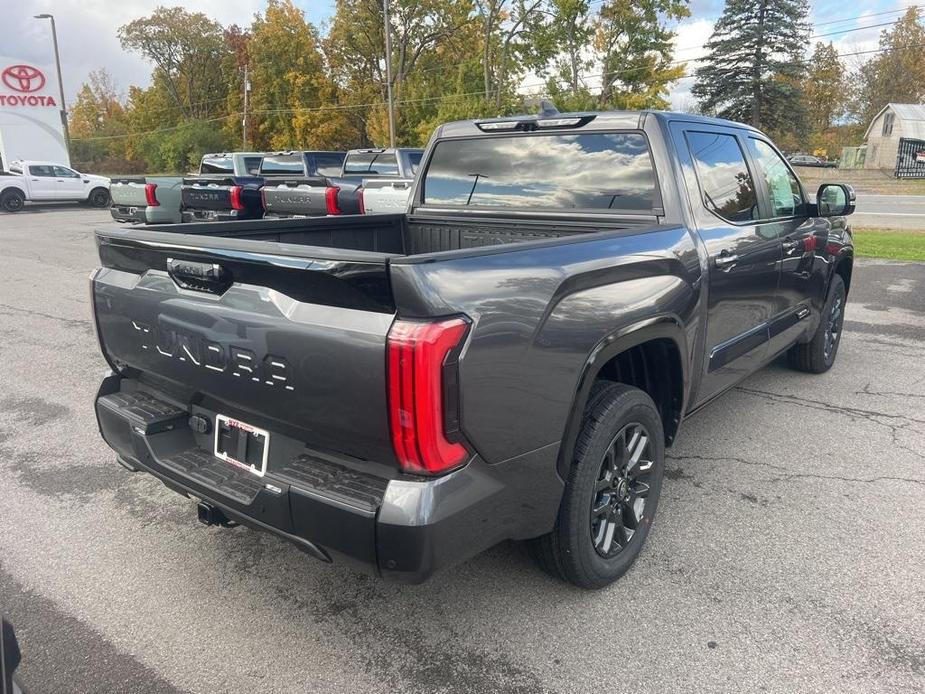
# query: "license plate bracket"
x,y
241,444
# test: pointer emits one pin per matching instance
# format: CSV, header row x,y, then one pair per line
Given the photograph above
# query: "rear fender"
x,y
657,327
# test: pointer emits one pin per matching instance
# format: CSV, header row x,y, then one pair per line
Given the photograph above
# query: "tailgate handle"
x,y
202,277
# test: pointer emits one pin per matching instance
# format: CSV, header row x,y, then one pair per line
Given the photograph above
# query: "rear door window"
x,y
42,170
725,182
600,171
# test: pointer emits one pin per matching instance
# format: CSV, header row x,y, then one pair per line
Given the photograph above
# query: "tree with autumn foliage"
x,y
897,73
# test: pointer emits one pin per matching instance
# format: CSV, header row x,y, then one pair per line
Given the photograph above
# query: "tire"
x,y
12,201
99,197
818,355
578,549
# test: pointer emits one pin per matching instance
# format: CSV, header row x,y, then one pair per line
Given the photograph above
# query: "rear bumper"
x,y
402,529
130,215
192,215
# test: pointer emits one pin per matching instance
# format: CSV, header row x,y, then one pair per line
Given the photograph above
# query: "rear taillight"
x,y
423,394
330,199
236,202
361,203
150,197
263,199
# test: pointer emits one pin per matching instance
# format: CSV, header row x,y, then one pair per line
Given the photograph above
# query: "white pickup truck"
x,y
43,181
384,196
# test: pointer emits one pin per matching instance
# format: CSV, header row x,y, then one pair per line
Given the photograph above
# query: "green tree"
x,y
180,149
572,34
635,50
824,88
430,39
188,50
897,74
98,123
286,73
755,67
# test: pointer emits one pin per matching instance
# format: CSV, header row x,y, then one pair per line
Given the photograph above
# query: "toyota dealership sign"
x,y
30,113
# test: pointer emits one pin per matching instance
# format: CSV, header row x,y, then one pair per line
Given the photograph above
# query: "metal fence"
x,y
910,159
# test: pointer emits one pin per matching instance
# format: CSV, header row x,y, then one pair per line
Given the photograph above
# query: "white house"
x,y
894,121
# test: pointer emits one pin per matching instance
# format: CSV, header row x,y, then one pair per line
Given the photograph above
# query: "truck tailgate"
x,y
287,338
207,193
128,192
295,197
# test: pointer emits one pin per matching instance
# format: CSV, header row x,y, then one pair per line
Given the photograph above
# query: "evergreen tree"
x,y
755,67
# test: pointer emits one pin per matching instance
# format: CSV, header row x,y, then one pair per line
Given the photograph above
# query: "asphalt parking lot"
x,y
788,554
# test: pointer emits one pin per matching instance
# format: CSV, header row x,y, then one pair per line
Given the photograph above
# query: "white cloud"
x,y
87,34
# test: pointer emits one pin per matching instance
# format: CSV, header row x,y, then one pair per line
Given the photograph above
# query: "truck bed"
x,y
395,234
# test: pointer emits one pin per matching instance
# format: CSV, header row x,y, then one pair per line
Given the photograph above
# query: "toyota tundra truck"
x,y
507,361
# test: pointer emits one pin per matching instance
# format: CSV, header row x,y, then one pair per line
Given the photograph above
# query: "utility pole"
x,y
247,88
54,40
388,70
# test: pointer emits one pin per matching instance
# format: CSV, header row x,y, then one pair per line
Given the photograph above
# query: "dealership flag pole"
x,y
54,40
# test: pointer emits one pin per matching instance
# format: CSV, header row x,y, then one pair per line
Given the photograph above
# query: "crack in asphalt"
x,y
871,416
72,322
790,475
885,393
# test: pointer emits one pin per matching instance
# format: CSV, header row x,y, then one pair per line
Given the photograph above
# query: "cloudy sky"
x,y
87,31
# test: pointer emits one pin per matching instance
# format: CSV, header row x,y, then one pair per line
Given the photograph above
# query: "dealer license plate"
x,y
241,444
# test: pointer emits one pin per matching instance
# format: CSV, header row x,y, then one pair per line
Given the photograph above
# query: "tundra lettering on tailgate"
x,y
197,351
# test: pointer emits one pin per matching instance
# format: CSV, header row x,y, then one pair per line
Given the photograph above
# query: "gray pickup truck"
x,y
509,360
389,172
146,199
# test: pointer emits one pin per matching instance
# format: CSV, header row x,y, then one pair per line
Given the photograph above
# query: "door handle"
x,y
725,260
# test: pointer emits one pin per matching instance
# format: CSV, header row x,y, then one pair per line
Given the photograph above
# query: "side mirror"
x,y
835,200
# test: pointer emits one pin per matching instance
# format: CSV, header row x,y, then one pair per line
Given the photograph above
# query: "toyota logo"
x,y
23,78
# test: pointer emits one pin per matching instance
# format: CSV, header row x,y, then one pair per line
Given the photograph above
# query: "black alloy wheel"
x,y
99,197
612,490
13,201
622,487
833,329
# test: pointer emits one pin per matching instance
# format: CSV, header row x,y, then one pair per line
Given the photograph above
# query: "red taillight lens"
x,y
418,397
360,202
330,199
236,202
150,197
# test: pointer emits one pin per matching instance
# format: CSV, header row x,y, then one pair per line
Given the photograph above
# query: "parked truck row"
x,y
508,359
237,186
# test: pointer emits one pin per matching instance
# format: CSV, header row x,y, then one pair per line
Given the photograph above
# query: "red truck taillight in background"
x,y
150,197
330,199
424,394
236,202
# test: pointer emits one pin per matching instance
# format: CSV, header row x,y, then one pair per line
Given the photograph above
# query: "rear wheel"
x,y
12,200
99,197
612,490
818,355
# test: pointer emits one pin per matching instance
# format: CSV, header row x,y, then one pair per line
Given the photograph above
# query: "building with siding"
x,y
895,121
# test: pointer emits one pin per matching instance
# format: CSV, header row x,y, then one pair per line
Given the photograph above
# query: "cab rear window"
x,y
216,165
601,171
291,164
